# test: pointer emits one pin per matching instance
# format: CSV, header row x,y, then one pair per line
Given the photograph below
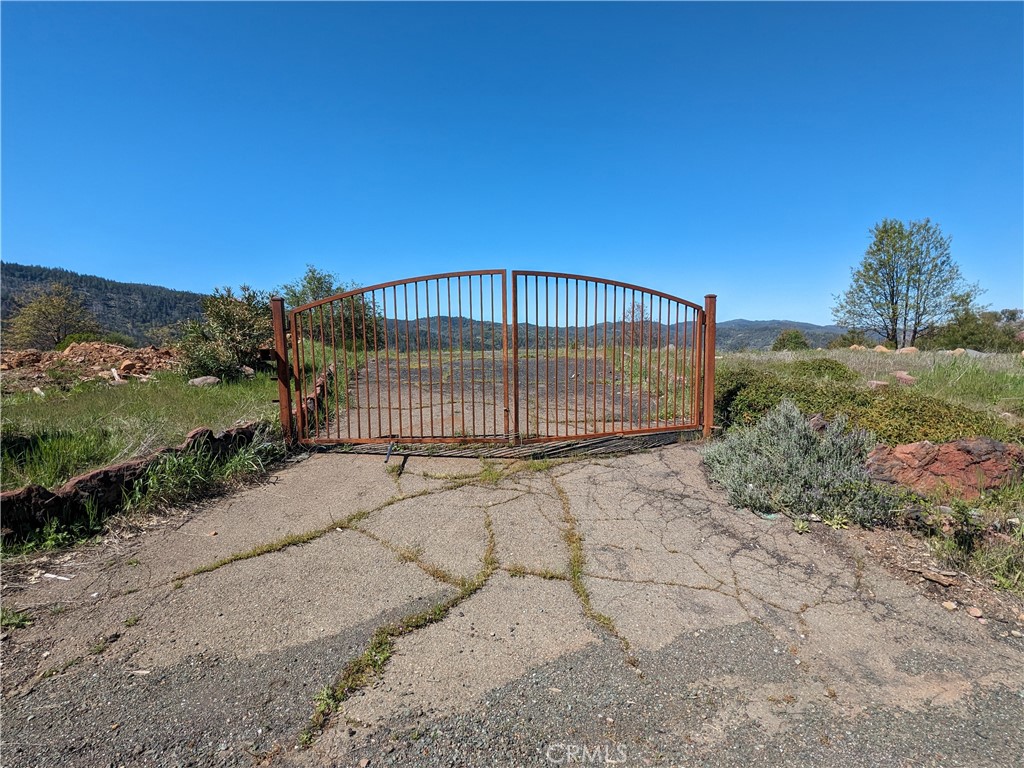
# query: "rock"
x,y
907,351
956,352
904,378
247,371
1016,633
859,347
962,467
204,381
877,384
817,423
949,605
975,612
880,348
128,366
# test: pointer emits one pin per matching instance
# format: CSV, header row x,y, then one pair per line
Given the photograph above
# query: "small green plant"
x,y
801,526
11,619
782,466
131,621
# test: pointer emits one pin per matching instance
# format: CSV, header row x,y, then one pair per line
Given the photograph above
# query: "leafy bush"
x,y
233,330
782,466
743,394
790,339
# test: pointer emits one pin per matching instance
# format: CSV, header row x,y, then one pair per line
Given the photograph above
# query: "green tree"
x,y
790,340
980,329
906,285
353,318
231,334
46,317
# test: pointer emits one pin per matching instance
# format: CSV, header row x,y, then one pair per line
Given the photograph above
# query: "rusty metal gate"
x,y
473,357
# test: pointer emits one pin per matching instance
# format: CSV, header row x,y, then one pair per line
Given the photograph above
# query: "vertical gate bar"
x,y
430,361
337,388
462,355
710,300
387,354
615,333
376,355
355,370
676,375
366,367
299,356
344,366
408,356
576,360
440,357
515,352
398,359
632,356
472,360
586,347
451,352
596,428
567,379
419,358
657,390
324,371
697,354
554,353
536,344
604,362
312,348
547,358
526,368
284,378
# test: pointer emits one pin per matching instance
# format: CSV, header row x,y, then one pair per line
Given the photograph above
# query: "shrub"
x,y
791,340
906,416
782,466
233,330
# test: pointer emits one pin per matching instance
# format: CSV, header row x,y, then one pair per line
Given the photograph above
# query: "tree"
x,y
790,340
47,316
980,329
354,318
906,285
233,330
636,319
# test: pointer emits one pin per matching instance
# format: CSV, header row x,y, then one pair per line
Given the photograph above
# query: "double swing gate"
x,y
466,357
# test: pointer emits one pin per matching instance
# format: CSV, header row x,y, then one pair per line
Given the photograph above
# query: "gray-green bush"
x,y
781,465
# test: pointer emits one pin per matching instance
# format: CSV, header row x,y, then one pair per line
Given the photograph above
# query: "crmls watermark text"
x,y
585,754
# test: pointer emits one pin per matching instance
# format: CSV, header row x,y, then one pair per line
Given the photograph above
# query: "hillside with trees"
x,y
143,312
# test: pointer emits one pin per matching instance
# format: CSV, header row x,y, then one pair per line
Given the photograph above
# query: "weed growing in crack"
x,y
370,664
577,560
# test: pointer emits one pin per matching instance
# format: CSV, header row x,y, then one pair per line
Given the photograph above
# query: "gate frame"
x,y
283,323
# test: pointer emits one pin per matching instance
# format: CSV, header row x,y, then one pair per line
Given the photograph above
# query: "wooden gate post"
x,y
708,416
284,381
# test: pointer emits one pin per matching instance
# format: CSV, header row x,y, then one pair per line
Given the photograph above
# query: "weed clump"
x,y
781,465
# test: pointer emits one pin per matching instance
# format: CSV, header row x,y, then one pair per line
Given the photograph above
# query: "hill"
x,y
734,335
134,309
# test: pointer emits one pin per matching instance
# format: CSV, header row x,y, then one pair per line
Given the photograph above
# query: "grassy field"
x,y
48,439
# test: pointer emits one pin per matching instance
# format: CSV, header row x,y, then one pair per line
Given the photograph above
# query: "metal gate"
x,y
464,357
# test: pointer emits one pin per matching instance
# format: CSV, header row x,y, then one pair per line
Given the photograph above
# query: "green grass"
x,y
47,440
10,619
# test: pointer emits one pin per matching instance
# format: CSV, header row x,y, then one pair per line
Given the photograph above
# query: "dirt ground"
x,y
620,613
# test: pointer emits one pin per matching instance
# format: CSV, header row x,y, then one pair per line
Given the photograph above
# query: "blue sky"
x,y
740,149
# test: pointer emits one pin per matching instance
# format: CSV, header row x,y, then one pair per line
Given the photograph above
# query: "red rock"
x,y
975,612
963,467
904,378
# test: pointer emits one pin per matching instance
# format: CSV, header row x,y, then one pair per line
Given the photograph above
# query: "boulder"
x,y
204,381
859,347
962,467
880,348
904,378
956,352
873,384
907,351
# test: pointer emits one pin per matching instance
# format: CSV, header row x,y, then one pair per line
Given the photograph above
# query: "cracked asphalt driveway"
x,y
601,611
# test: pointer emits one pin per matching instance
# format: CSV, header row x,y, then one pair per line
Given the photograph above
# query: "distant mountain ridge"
x,y
134,309
137,310
734,335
